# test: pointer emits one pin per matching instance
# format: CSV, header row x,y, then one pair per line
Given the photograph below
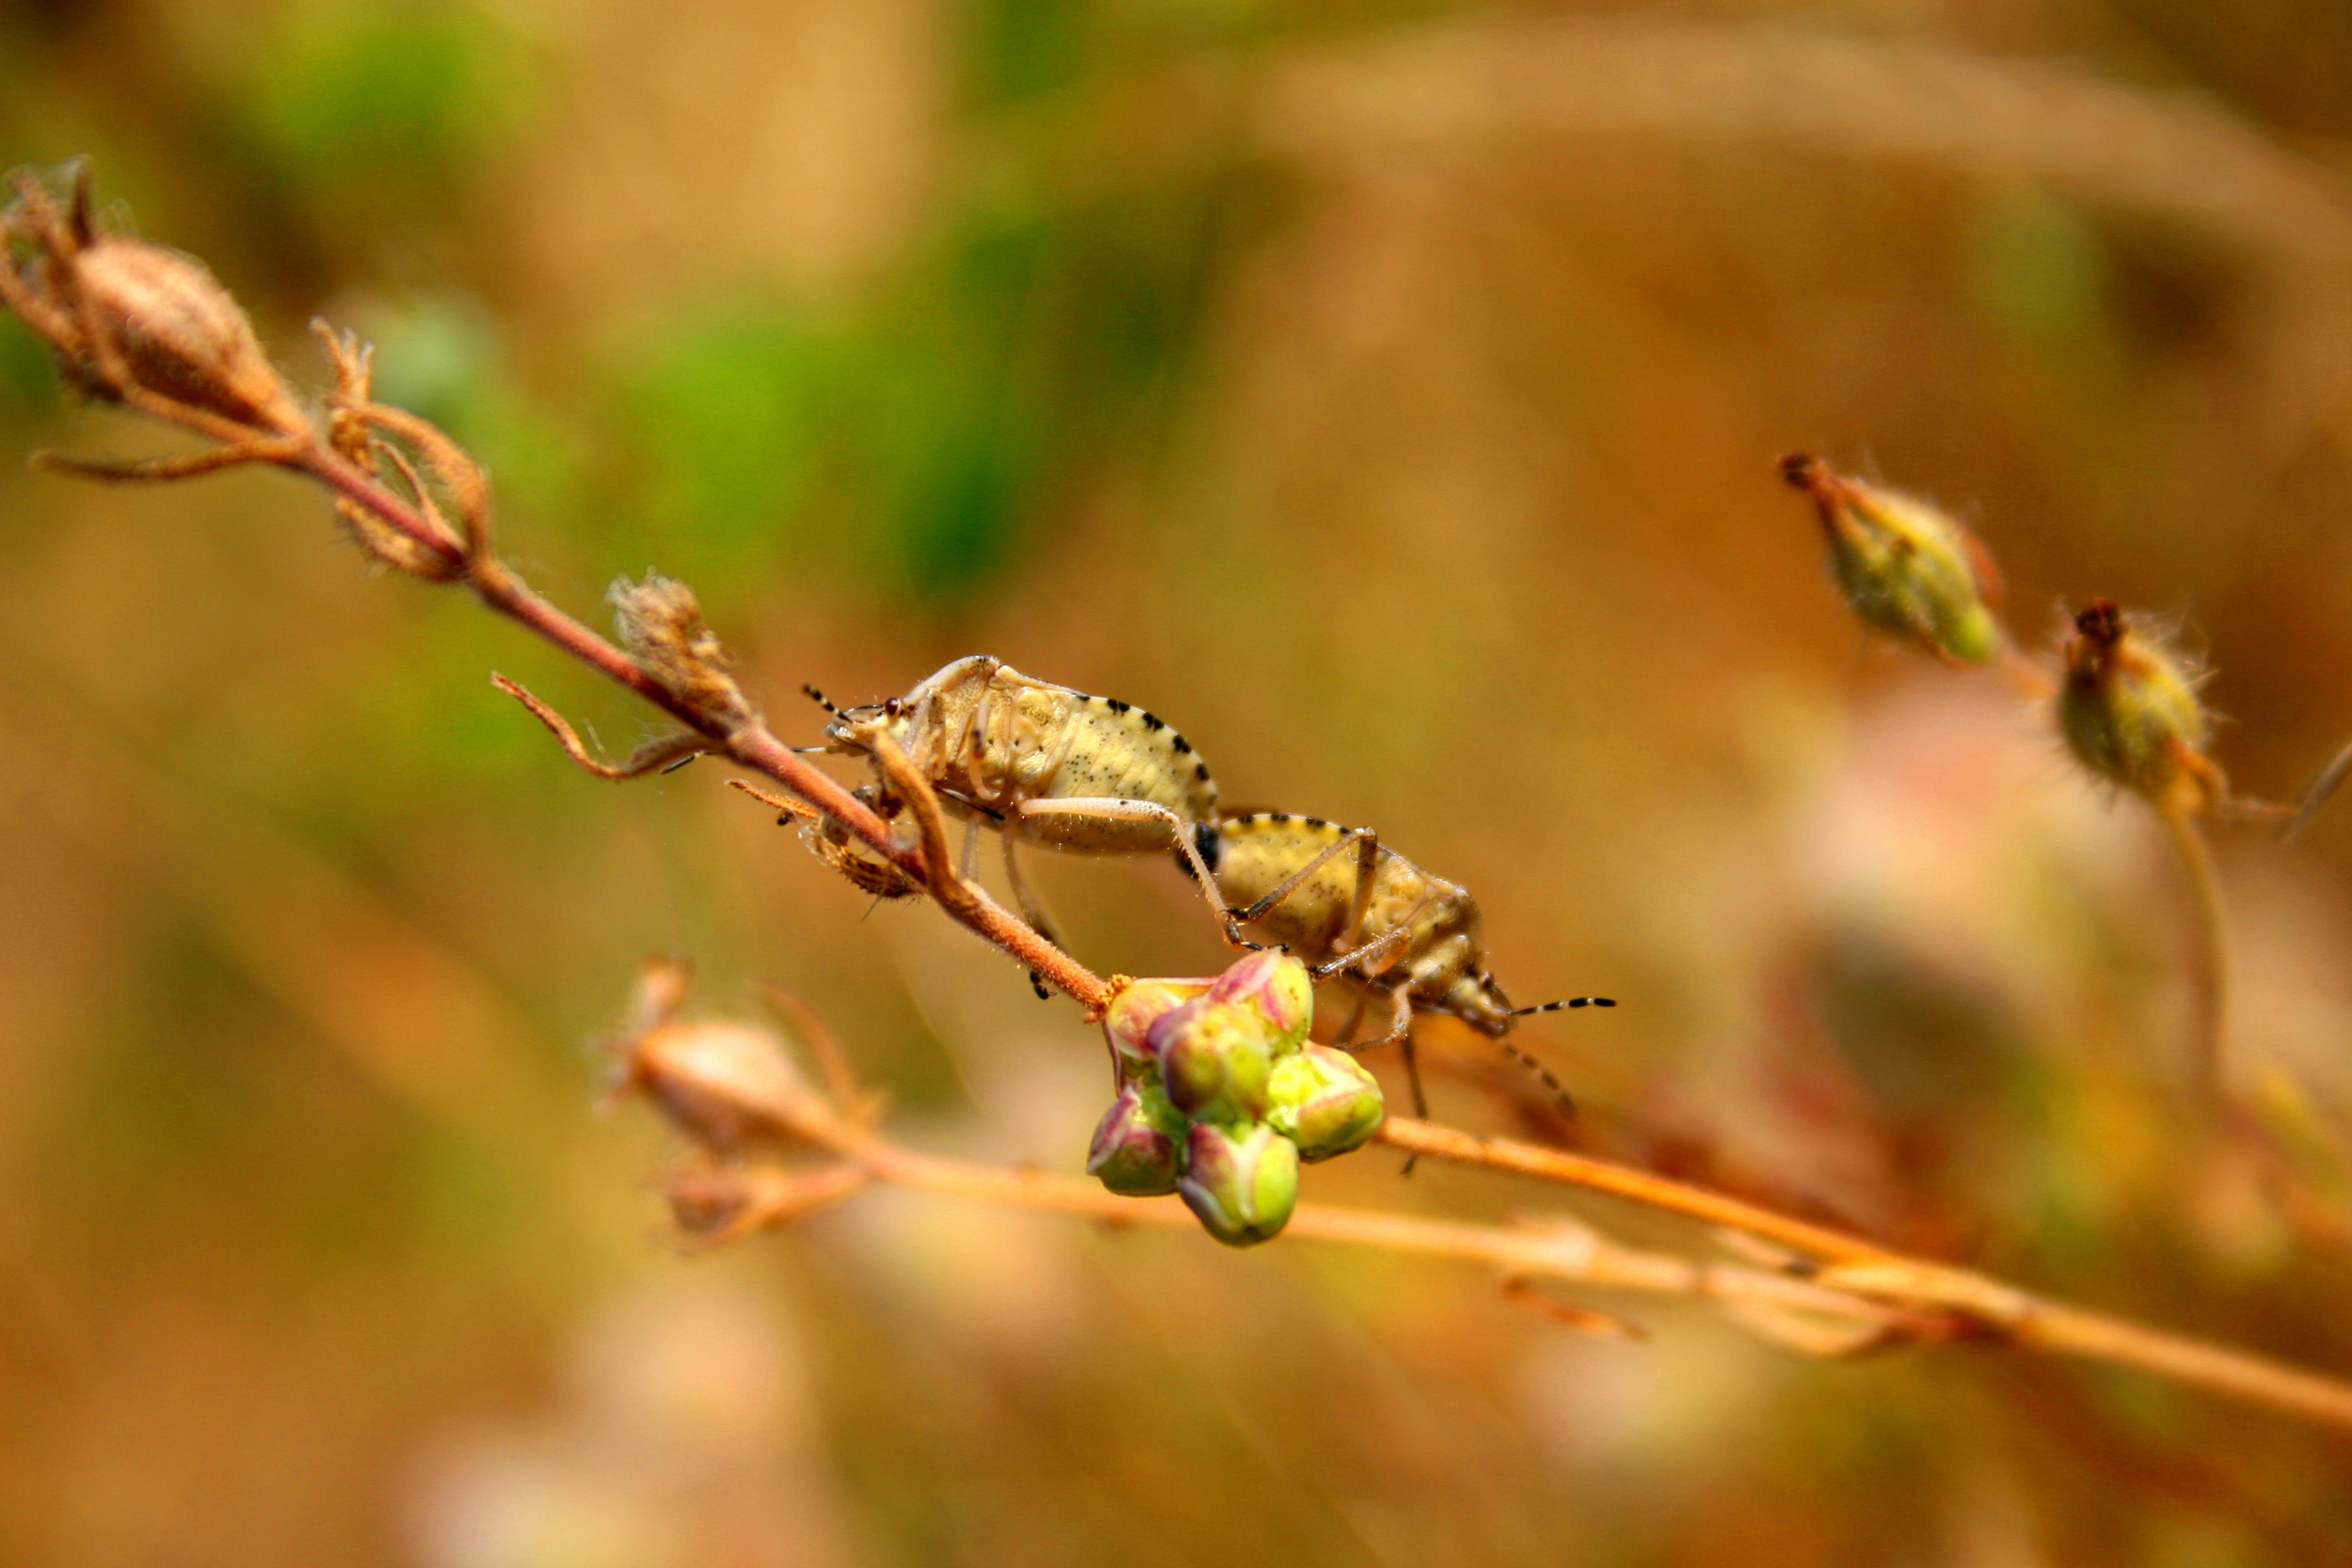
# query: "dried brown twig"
x,y
177,347
1820,1292
145,327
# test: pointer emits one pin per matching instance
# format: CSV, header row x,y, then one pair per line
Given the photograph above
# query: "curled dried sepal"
x,y
1240,1183
2129,710
1908,569
130,322
660,622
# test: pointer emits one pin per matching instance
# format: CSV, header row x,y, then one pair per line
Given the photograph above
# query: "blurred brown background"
x,y
1388,393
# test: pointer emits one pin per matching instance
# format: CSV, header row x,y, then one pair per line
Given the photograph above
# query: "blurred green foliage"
x,y
370,93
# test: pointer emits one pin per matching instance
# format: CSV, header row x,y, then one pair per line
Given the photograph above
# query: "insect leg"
x,y
1381,947
1367,864
1400,1034
1031,909
1115,810
1355,1019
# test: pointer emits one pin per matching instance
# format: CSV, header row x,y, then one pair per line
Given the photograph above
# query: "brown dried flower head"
x,y
660,622
125,318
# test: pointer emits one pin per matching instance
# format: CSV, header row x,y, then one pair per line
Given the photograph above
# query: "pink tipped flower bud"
x,y
722,1084
1214,1058
1323,1100
1275,986
1241,1183
1128,1022
1138,1145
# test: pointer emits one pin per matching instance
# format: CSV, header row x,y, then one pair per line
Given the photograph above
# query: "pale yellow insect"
x,y
1365,915
1043,764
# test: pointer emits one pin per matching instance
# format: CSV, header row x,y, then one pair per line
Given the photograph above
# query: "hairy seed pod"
x,y
2129,709
1908,569
179,333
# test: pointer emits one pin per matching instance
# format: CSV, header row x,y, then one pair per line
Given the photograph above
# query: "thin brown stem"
x,y
1881,1298
1812,1241
2208,941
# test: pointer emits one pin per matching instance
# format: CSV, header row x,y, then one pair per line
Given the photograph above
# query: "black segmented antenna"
x,y
1561,1006
1542,1074
821,700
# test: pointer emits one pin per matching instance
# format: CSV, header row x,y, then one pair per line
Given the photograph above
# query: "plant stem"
x,y
2208,939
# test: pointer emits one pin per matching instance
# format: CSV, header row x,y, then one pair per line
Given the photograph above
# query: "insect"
x,y
1372,919
826,838
1042,763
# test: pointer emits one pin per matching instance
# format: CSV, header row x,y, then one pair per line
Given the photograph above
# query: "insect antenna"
x,y
1558,1007
821,700
1542,1074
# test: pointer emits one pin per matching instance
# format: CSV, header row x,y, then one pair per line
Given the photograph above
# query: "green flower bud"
x,y
1907,568
1138,1144
1240,1183
1214,1058
1277,987
1323,1100
2129,709
1127,1024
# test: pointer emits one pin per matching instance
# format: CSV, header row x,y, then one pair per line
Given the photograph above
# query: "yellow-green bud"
x,y
1323,1100
1240,1183
2129,709
1277,987
1138,1145
1907,568
1215,1058
1127,1024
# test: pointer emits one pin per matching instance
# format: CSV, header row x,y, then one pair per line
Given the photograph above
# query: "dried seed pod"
x,y
123,316
723,1085
660,622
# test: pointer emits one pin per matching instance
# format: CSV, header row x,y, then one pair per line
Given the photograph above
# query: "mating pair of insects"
x,y
1047,765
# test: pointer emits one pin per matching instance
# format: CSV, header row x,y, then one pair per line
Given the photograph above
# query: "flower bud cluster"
x,y
1220,1096
1908,569
2130,711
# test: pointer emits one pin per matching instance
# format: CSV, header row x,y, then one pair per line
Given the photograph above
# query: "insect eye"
x,y
890,709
